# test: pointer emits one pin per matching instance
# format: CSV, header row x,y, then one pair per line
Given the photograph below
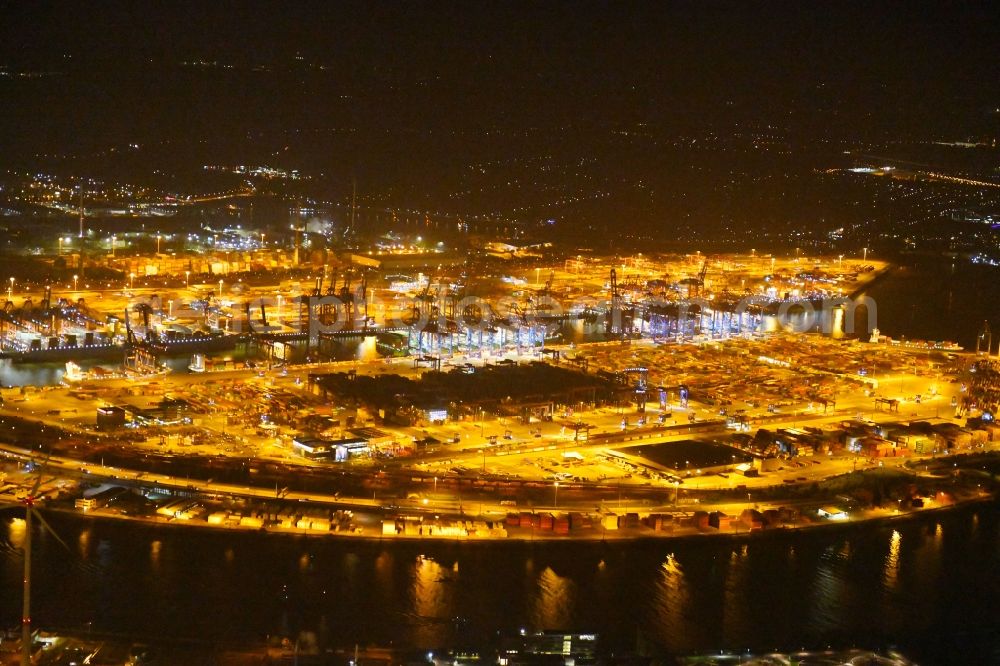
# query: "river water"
x,y
935,298
927,585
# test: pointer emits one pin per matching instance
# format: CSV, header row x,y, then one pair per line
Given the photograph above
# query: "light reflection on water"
x,y
16,529
670,597
433,601
864,587
830,588
155,549
890,573
84,544
553,602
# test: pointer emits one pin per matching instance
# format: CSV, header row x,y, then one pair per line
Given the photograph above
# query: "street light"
x,y
10,290
187,279
220,288
555,494
113,245
76,279
158,237
865,251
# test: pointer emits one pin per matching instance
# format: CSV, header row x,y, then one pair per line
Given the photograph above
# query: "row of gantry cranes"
x,y
47,323
441,318
665,309
447,317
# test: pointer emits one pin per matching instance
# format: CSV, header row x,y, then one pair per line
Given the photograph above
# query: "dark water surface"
x,y
935,298
927,585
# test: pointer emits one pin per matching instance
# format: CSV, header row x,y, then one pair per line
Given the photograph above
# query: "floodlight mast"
x,y
26,602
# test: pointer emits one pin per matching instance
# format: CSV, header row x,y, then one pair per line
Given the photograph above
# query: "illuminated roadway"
x,y
829,467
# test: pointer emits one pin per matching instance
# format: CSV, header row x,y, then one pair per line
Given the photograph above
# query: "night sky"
x,y
855,67
700,115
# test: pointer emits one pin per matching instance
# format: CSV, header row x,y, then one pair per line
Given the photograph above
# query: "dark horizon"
x,y
833,71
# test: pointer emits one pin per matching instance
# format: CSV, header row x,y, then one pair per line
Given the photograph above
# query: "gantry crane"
x,y
621,314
